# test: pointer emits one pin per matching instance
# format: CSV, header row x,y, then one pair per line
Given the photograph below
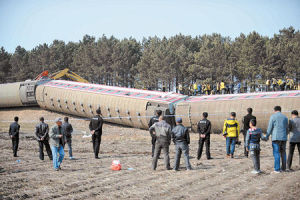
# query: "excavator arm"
x,y
71,75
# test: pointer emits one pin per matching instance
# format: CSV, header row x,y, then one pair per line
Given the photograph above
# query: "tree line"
x,y
161,62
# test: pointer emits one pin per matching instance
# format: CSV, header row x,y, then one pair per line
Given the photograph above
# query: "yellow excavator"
x,y
63,73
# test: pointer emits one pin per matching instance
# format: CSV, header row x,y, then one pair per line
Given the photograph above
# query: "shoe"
x,y
59,167
289,170
255,172
169,168
231,156
96,157
16,156
275,172
189,169
228,156
209,158
72,158
56,169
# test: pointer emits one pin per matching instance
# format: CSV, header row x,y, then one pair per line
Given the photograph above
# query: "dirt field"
x,y
87,178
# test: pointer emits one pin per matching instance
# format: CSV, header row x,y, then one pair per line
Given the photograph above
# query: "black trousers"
x,y
41,149
158,148
205,140
291,153
15,145
96,144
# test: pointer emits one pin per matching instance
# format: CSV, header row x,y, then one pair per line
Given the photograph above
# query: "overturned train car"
x,y
133,107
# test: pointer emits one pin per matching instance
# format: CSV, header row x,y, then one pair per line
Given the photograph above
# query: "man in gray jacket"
x,y
278,127
294,128
42,136
57,142
162,131
181,139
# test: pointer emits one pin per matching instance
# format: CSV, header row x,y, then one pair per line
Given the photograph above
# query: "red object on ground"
x,y
116,165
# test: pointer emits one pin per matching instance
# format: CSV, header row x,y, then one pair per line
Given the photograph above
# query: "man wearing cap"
x,y
42,136
95,127
162,130
57,142
204,127
181,139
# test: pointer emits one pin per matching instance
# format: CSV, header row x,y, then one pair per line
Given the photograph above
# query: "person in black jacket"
x,y
181,139
95,126
42,136
152,121
246,121
204,127
68,132
14,129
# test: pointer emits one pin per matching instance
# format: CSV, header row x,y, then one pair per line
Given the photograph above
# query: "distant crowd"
x,y
230,87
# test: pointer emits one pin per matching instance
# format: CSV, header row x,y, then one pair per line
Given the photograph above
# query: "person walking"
x,y
204,127
222,87
152,121
278,126
162,131
13,132
181,139
294,128
252,144
231,131
95,127
42,136
68,129
246,120
57,142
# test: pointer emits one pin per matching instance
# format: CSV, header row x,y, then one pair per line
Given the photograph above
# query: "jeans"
x,y
205,140
291,153
230,145
158,148
255,156
69,142
245,148
279,153
57,161
41,149
96,144
15,145
182,147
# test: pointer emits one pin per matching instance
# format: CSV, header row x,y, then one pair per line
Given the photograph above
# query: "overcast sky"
x,y
32,22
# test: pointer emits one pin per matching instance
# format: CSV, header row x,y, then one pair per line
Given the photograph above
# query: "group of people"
x,y
55,138
230,87
279,127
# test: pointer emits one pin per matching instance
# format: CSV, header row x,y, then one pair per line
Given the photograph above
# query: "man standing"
x,y
68,129
152,121
42,136
294,127
14,129
57,142
181,139
162,130
95,126
278,126
246,121
204,127
231,130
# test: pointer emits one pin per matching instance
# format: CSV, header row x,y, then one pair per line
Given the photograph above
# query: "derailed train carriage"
x,y
133,107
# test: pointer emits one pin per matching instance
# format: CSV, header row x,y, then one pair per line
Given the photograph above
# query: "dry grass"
x,y
87,178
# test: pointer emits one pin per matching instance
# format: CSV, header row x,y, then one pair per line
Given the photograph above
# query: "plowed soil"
x,y
27,177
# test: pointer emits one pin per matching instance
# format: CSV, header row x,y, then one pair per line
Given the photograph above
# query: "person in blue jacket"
x,y
278,128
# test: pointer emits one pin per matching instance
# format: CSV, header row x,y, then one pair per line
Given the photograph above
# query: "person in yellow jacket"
x,y
289,84
231,130
268,84
195,87
222,87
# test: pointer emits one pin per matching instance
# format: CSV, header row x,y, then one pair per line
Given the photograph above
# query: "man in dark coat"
x,y
14,129
95,126
42,136
68,132
153,120
246,120
204,127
